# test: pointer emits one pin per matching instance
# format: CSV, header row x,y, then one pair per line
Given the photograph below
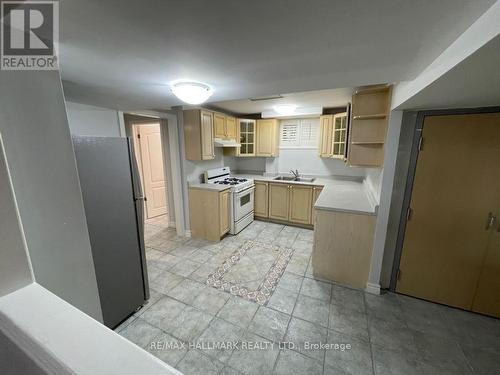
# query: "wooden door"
x,y
220,125
300,204
152,169
261,199
487,297
278,201
456,185
230,127
265,137
207,135
326,134
316,192
224,212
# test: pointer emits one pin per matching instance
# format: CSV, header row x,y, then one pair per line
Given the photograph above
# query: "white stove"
x,y
242,196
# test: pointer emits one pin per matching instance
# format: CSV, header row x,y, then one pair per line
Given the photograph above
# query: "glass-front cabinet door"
x,y
246,129
339,135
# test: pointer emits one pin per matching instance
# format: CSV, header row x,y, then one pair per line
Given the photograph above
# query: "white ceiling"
x,y
123,54
475,82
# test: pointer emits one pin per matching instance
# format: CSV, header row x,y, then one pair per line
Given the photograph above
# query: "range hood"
x,y
218,142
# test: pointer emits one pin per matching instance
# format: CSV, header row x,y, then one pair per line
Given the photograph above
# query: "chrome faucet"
x,y
295,174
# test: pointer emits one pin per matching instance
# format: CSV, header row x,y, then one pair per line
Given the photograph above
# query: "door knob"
x,y
491,221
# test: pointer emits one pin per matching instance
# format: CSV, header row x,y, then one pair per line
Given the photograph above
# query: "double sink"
x,y
293,178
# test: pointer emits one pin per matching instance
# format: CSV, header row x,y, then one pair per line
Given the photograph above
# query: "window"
x,y
299,133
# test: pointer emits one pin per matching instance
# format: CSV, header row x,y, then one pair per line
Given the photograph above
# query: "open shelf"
x,y
370,117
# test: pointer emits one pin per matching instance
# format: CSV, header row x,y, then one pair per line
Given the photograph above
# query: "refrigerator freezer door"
x,y
105,176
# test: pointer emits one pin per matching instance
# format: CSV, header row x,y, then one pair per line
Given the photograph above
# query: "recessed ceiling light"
x,y
285,109
192,92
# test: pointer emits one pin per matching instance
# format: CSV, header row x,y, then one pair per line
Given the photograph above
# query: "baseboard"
x,y
171,224
187,233
372,288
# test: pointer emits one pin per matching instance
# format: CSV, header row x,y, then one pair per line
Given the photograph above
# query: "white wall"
x,y
38,147
15,268
93,121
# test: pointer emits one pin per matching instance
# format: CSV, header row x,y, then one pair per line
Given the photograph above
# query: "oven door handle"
x,y
243,192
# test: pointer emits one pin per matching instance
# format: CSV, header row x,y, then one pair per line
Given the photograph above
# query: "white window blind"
x,y
299,133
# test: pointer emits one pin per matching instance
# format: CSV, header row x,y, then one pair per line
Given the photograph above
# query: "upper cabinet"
x,y
199,134
333,135
370,115
267,138
224,126
246,130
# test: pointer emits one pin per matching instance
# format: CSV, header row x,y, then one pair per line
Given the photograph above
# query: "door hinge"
x,y
398,276
420,144
409,214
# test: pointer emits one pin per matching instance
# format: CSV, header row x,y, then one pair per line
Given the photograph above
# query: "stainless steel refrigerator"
x,y
114,206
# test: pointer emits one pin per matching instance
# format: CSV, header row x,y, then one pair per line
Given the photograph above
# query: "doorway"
x,y
149,155
451,241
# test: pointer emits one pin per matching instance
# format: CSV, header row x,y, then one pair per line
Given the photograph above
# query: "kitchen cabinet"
x,y
246,132
219,125
333,135
209,213
370,115
267,144
316,192
224,126
224,212
342,248
230,127
199,134
300,204
278,201
261,208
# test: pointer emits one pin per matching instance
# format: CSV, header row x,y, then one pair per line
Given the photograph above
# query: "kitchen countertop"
x,y
339,194
216,187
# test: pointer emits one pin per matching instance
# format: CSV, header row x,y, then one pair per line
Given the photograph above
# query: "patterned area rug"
x,y
252,272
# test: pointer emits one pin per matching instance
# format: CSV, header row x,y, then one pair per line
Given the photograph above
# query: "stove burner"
x,y
231,181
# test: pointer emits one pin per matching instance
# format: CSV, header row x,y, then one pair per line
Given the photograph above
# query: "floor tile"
x,y
140,332
187,291
201,256
349,322
166,281
301,333
196,363
269,324
251,361
291,281
165,309
395,362
355,360
385,306
238,311
229,371
220,331
283,300
390,334
316,289
349,298
211,300
201,274
168,246
482,362
153,273
185,268
292,363
184,251
165,262
312,310
189,324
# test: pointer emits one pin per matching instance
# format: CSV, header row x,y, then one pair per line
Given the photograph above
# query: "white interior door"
x,y
153,177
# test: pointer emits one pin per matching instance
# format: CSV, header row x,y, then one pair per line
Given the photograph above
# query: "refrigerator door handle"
x,y
141,198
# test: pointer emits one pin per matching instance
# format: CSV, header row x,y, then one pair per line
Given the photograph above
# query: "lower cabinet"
x,y
278,201
261,199
316,192
291,203
300,211
209,213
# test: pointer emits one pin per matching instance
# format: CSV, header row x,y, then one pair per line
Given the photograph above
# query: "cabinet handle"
x,y
491,221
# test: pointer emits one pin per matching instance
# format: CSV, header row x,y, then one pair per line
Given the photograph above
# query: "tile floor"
x,y
388,334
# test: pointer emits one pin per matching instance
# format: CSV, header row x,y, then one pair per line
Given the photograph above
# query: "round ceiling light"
x,y
192,92
285,109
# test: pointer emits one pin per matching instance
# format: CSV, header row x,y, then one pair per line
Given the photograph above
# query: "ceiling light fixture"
x,y
192,92
285,109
